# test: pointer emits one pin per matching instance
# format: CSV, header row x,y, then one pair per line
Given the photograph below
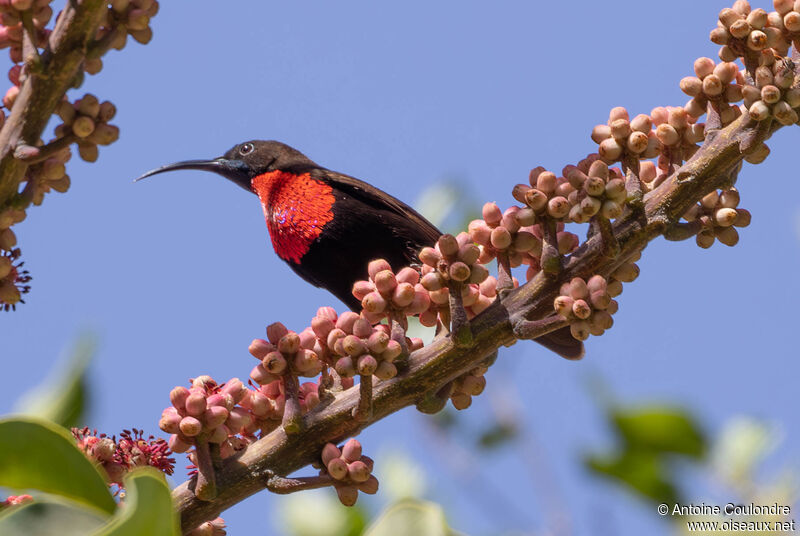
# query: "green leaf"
x,y
37,454
419,518
45,517
147,509
639,470
62,397
660,429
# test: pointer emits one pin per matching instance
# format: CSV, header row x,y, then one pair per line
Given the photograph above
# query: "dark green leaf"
x,y
639,470
497,435
660,429
148,507
37,454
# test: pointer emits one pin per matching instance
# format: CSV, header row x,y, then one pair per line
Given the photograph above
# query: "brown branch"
x,y
432,367
42,91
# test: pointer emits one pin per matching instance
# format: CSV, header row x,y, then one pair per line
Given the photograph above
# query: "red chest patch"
x,y
296,208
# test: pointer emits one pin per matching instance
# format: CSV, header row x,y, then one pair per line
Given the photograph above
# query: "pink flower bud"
x,y
558,207
432,281
430,256
178,445
393,350
403,295
580,330
461,401
448,245
385,370
260,375
170,420
289,343
374,302
367,365
581,309
728,236
378,342
473,385
337,468
492,214
600,133
329,452
358,471
536,199
578,289
275,332
214,416
459,271
348,495
742,218
345,367
361,289
600,299
351,451
546,182
219,434
190,426
259,348
178,397
421,300
500,238
195,404
370,486
305,360
353,345
563,305
478,273
440,297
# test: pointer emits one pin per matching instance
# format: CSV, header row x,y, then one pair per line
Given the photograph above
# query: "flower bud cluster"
x,y
455,262
87,119
599,191
588,305
465,387
546,195
505,232
123,18
786,18
719,215
286,353
351,470
13,279
623,139
355,346
206,411
215,527
720,84
678,134
50,174
773,94
11,29
267,403
119,457
745,33
387,293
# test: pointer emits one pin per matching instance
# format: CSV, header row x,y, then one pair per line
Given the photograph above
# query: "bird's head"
x,y
244,161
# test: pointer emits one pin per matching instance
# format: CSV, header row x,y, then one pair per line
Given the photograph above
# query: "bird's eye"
x,y
246,148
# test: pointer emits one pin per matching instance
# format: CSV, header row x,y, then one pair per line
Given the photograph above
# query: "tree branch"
x,y
433,366
42,91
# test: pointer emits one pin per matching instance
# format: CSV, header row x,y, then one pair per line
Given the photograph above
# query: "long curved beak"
x,y
234,170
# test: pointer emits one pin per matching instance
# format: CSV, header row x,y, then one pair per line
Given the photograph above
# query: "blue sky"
x,y
176,275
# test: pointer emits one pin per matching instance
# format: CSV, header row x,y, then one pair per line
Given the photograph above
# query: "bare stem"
x,y
292,414
284,486
206,487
